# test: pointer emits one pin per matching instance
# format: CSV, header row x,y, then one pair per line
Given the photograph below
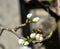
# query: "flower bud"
x,y
25,47
37,36
41,38
29,15
26,43
32,35
36,19
21,41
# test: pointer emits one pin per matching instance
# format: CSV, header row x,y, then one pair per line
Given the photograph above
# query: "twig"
x,y
22,25
12,30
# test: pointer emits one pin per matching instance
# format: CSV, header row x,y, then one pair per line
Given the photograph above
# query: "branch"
x,y
53,14
12,30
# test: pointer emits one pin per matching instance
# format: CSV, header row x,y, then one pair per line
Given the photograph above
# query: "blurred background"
x,y
14,12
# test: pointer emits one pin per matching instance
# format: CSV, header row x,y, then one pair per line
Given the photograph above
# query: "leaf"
x,y
49,1
50,34
28,39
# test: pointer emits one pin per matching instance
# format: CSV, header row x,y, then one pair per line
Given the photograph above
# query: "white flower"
x,y
26,43
21,41
41,38
36,19
25,47
29,15
32,35
37,36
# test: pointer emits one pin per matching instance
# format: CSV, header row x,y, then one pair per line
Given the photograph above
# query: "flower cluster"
x,y
37,37
29,16
33,36
29,39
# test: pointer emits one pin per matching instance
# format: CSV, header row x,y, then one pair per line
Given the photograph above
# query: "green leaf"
x,y
50,34
28,39
49,1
